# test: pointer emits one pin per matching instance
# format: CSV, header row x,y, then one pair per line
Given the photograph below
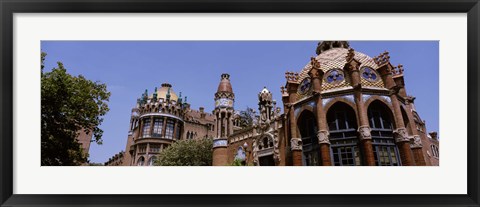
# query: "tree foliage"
x,y
188,152
247,117
69,104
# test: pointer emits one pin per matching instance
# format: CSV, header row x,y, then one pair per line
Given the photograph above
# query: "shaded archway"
x,y
141,161
265,151
344,142
381,122
308,132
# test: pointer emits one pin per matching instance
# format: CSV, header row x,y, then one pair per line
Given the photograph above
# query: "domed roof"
x,y
163,90
336,58
225,85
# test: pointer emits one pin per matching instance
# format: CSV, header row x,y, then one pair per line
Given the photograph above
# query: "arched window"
x,y
140,161
342,126
152,160
265,151
308,130
240,154
383,143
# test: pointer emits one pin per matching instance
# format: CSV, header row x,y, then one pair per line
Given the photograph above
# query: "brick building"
x,y
342,108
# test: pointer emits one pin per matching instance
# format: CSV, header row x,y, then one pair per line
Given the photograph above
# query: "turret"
x,y
224,99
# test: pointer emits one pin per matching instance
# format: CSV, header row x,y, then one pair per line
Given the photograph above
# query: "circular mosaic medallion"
x,y
369,74
334,76
305,86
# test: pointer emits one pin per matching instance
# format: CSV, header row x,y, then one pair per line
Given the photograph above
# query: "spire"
x,y
180,98
155,94
225,85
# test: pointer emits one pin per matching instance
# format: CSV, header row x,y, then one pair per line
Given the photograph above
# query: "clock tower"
x,y
224,99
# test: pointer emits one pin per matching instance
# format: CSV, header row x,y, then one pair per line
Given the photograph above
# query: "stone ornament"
x,y
255,153
365,132
296,144
401,135
323,137
315,64
416,142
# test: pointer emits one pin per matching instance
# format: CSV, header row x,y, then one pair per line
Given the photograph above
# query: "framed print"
x,y
200,103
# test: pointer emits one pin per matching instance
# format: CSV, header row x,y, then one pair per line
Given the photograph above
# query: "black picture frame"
x,y
10,7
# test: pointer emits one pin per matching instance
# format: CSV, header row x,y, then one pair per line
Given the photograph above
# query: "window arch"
x,y
140,161
308,131
342,126
152,160
381,122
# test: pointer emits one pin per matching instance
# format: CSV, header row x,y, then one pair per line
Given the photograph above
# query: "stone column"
x,y
224,124
296,141
175,129
219,125
164,127
151,126
140,128
323,135
296,147
364,130
416,146
230,123
400,133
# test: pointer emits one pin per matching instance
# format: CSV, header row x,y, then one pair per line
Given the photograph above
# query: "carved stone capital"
x,y
416,142
323,137
296,144
364,132
401,135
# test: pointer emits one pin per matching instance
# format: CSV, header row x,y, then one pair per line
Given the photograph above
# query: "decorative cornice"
x,y
364,132
401,135
323,137
417,142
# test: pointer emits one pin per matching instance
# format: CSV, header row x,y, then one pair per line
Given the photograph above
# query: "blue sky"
x,y
194,68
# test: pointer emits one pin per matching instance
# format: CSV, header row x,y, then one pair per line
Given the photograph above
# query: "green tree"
x,y
69,104
247,117
187,153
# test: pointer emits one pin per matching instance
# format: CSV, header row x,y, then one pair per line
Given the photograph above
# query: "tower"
x,y
224,99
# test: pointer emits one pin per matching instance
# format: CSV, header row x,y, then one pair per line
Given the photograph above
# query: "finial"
x,y
315,64
185,99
